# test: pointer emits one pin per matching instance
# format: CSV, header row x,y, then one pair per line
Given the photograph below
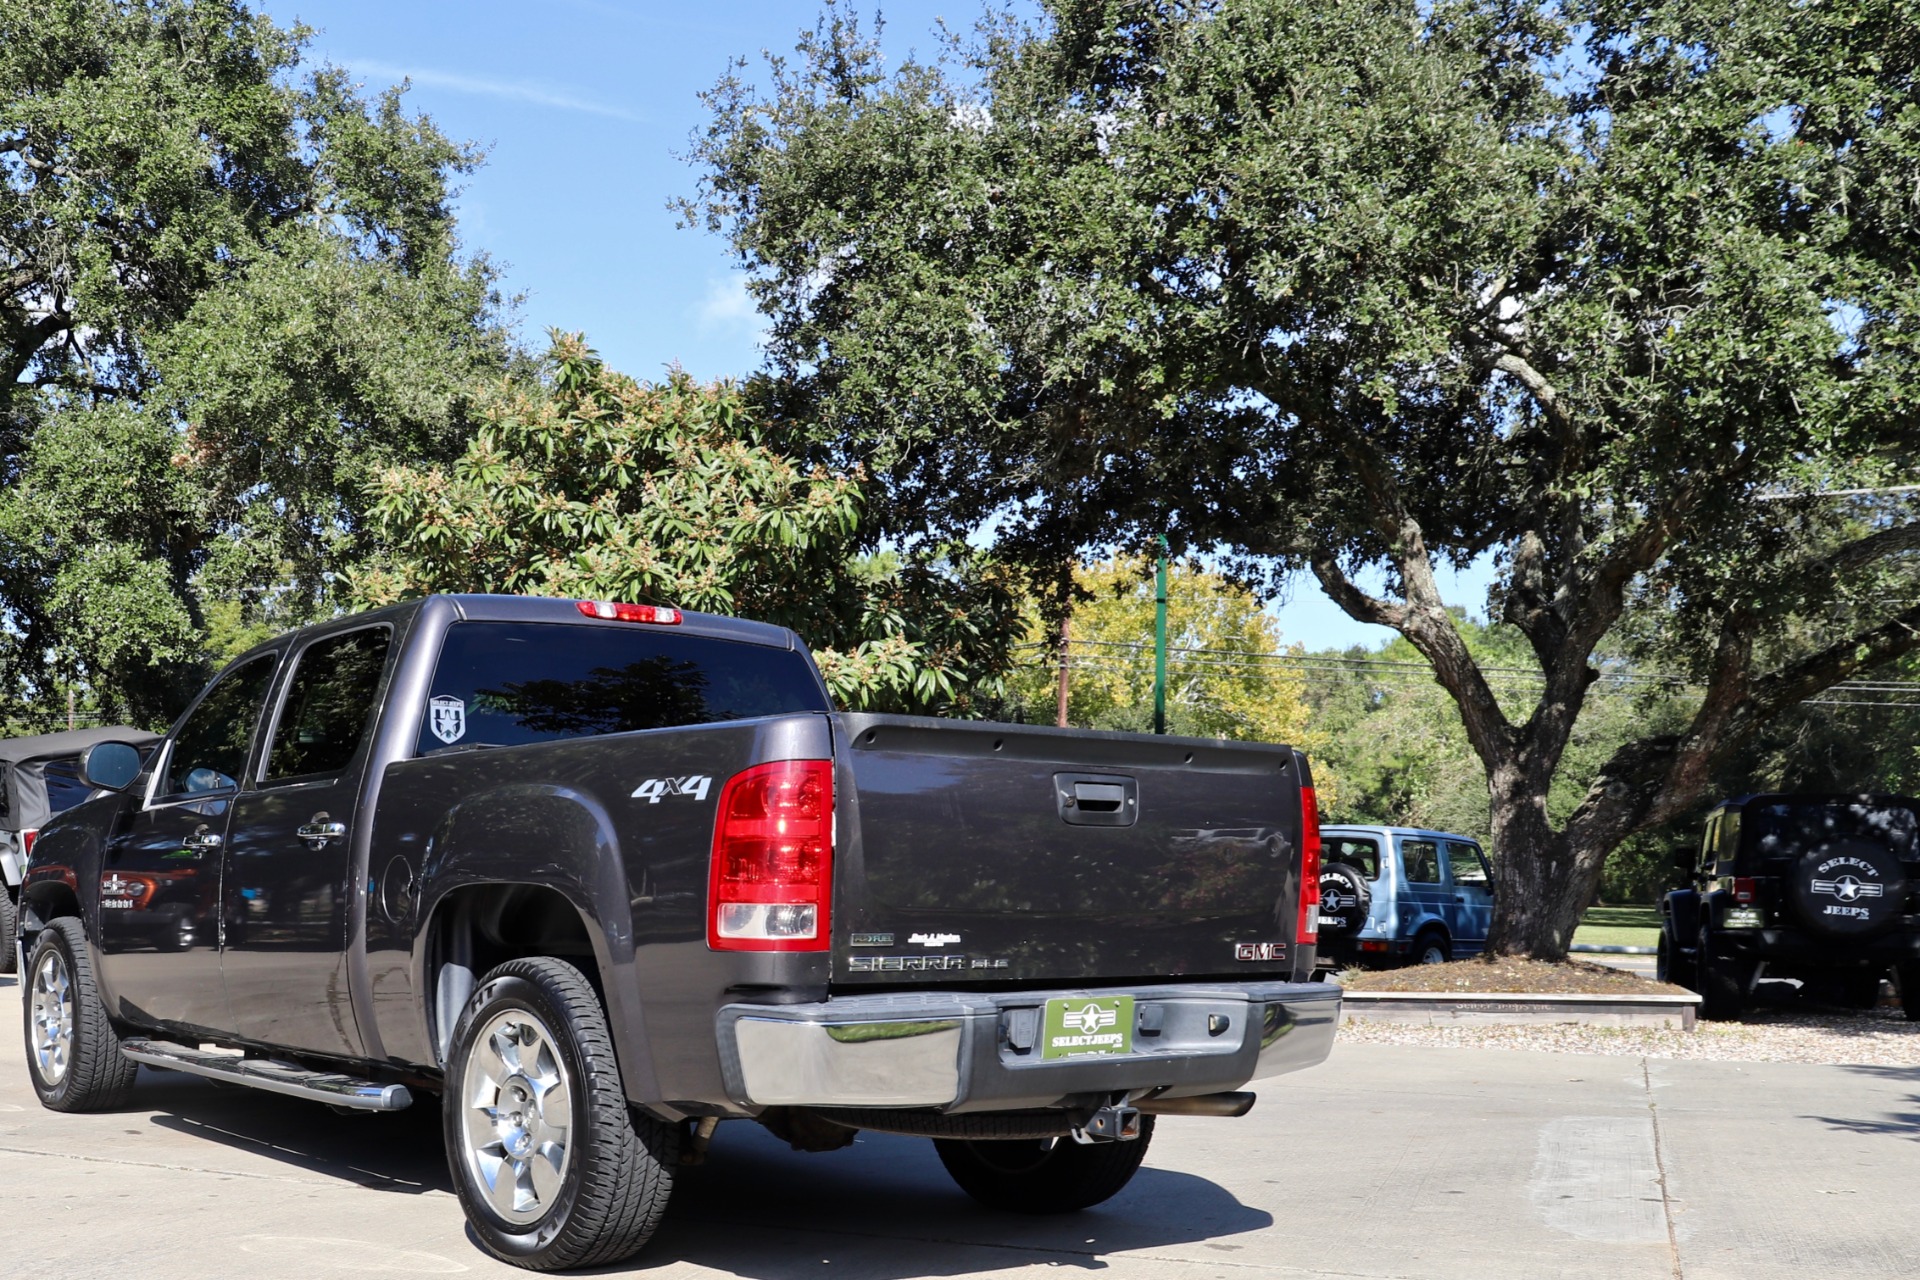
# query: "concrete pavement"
x,y
1388,1161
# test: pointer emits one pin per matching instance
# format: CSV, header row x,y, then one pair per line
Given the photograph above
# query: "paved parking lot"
x,y
1388,1161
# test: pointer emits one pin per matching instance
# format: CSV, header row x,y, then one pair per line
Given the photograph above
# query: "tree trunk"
x,y
1543,878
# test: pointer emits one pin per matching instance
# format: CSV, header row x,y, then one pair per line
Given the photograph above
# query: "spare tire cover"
x,y
1848,888
1345,898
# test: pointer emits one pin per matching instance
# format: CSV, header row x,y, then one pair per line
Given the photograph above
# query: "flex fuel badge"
x,y
1084,1026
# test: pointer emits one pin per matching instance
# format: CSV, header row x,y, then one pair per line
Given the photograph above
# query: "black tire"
x,y
1907,974
9,925
179,933
1048,1175
1670,966
615,1165
1345,899
1430,946
1723,985
1848,888
73,1052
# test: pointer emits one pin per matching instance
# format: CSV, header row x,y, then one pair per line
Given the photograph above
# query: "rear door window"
x,y
329,705
1422,860
507,684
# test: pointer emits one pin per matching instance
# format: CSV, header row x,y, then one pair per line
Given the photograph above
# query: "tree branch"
x,y
22,347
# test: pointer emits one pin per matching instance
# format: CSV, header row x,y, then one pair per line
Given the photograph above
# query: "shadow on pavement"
x,y
1894,1124
758,1210
755,1209
401,1152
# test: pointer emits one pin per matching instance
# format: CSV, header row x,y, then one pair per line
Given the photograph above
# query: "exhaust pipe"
x,y
1207,1104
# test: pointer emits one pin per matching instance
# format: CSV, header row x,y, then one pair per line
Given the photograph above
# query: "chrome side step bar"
x,y
275,1077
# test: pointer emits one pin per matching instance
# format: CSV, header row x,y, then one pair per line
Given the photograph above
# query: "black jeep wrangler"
x,y
1825,889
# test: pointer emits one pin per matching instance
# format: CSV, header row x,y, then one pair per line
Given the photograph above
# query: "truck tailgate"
x,y
987,853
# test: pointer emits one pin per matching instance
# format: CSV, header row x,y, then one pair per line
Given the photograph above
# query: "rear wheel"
x,y
9,922
73,1052
1723,985
552,1166
1046,1175
1430,946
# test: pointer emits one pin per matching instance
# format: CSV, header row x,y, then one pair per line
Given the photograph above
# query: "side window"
x,y
1463,863
210,751
329,706
1422,860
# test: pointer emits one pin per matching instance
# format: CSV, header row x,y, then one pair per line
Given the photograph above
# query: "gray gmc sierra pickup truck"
x,y
601,876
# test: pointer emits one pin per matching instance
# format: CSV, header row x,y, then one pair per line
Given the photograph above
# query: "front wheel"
x,y
1670,966
552,1166
73,1052
1047,1175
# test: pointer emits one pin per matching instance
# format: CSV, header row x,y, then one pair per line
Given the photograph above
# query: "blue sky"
x,y
584,107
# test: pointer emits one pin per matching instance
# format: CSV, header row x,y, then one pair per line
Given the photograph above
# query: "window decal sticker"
x,y
447,717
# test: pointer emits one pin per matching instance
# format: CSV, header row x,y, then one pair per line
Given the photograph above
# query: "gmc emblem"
x,y
1259,951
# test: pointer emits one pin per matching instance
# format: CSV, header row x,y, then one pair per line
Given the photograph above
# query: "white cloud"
x,y
516,90
728,306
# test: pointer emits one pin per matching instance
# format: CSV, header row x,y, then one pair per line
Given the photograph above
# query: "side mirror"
x,y
111,765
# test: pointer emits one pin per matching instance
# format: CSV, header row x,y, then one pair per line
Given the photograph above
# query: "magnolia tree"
x,y
591,484
1620,297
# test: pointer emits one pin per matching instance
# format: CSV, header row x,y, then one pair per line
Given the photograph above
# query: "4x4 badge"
x,y
653,790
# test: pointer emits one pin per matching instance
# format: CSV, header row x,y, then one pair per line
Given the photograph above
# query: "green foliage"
x,y
593,485
1363,288
229,294
1234,689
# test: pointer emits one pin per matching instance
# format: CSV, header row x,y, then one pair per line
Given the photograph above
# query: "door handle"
x,y
317,832
201,840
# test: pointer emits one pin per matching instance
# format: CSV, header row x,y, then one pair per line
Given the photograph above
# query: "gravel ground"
x,y
1881,1038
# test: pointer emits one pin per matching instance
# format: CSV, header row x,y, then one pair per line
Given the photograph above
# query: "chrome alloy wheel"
x,y
518,1106
51,1016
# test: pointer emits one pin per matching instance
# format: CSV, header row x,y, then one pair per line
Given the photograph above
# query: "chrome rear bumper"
x,y
972,1051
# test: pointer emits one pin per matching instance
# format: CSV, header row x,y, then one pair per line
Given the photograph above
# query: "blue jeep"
x,y
1402,894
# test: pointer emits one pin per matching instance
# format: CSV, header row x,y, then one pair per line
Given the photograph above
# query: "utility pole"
x,y
1060,711
1160,641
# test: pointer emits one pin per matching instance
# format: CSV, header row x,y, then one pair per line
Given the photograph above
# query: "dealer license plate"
x,y
1741,918
1087,1026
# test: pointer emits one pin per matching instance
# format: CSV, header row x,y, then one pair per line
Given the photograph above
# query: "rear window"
x,y
1356,851
506,684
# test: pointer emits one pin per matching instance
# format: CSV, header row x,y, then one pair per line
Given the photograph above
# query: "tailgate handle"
x,y
1097,799
1100,797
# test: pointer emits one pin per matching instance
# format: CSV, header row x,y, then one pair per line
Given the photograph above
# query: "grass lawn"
x,y
1619,927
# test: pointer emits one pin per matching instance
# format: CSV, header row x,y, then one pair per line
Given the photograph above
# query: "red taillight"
x,y
27,838
611,612
771,879
1743,890
1309,931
